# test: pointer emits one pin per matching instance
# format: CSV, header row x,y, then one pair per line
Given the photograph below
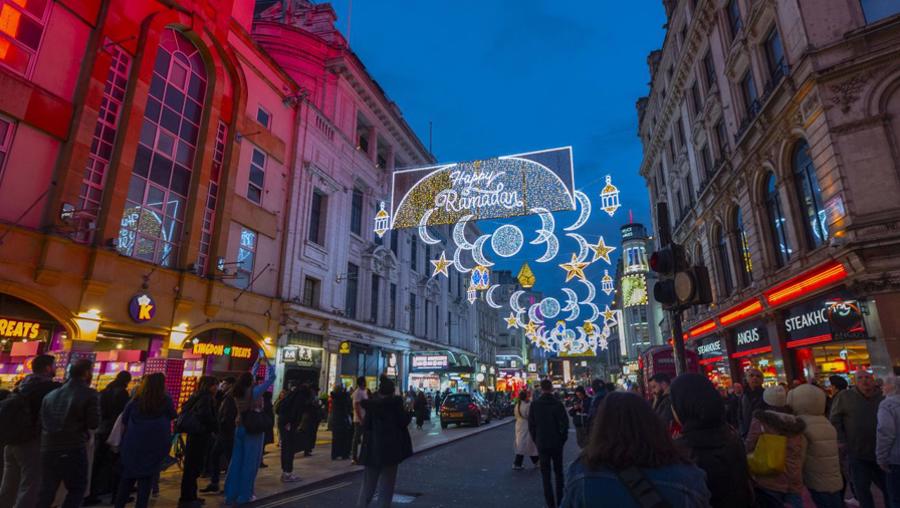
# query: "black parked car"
x,y
460,408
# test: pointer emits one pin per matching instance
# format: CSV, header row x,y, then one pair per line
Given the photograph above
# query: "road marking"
x,y
306,495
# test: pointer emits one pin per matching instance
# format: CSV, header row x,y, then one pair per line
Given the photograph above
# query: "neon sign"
x,y
208,349
19,329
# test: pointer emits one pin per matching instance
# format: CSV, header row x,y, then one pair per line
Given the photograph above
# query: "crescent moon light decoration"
x,y
552,249
592,291
489,296
584,213
478,251
532,313
459,233
574,315
457,263
595,312
423,228
584,247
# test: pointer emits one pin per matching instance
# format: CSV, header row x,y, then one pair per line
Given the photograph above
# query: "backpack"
x,y
187,422
17,423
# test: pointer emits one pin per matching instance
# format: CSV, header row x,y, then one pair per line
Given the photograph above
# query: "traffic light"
x,y
680,284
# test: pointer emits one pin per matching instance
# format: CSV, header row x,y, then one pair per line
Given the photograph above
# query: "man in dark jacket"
x,y
224,441
548,425
290,410
340,420
855,416
68,415
113,400
22,464
662,404
199,416
598,386
752,400
386,443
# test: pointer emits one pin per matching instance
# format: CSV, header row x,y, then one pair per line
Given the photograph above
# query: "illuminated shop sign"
x,y
15,328
430,362
711,347
494,188
751,338
302,356
142,308
208,349
831,318
344,348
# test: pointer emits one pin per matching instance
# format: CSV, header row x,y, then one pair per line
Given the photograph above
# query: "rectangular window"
x,y
356,207
734,17
257,176
413,253
876,10
376,296
6,137
706,157
394,237
679,129
104,139
774,55
362,134
427,331
429,268
449,328
263,117
672,149
317,211
721,138
246,258
392,318
310,292
695,97
21,29
709,70
352,290
212,198
412,313
749,94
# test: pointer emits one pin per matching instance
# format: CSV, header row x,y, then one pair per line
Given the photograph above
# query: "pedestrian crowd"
x,y
689,443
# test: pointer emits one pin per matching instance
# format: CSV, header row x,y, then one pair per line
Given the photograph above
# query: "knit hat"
x,y
775,396
696,402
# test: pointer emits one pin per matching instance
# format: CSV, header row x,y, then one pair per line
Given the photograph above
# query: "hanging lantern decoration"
x,y
609,197
526,276
381,221
471,294
481,278
606,283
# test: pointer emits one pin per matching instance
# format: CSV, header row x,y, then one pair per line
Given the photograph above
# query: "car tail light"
x,y
473,407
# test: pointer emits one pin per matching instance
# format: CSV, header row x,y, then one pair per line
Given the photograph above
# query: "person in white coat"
x,y
821,466
524,444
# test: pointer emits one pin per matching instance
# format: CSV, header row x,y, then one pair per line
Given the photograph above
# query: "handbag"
x,y
768,458
256,422
115,435
188,423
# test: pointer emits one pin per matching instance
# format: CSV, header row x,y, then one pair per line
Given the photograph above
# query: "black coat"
x,y
720,452
420,406
227,415
548,423
341,417
113,400
386,439
203,407
662,406
751,401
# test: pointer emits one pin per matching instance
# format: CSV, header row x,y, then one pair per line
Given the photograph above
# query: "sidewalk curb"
x,y
266,501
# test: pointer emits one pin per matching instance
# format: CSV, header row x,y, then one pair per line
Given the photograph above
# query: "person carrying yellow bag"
x,y
776,450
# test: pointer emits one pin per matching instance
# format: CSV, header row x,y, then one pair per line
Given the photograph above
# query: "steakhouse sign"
x,y
495,188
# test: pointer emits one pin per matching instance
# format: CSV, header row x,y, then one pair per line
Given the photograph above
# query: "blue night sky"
x,y
502,77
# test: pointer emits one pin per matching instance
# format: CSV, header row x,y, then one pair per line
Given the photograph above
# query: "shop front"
x,y
441,370
827,336
367,361
302,358
25,332
713,361
753,349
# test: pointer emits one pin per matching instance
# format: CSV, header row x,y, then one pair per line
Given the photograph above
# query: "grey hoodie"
x,y
887,446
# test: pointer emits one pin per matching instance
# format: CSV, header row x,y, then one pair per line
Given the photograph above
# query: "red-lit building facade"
x,y
771,131
144,177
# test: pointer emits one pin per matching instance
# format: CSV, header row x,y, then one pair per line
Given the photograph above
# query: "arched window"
x,y
151,226
743,249
777,223
810,195
725,280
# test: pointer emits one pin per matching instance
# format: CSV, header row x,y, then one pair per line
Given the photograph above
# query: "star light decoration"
x,y
602,251
574,268
441,265
511,321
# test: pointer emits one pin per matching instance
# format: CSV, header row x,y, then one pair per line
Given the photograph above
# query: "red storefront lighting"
x,y
714,359
739,312
701,329
810,340
808,282
749,352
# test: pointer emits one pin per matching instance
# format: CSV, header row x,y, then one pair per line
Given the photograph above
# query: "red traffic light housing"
x,y
681,285
668,260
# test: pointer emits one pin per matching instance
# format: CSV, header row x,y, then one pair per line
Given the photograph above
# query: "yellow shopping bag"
x,y
768,457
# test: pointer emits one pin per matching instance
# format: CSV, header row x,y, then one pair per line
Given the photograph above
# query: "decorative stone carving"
x,y
848,91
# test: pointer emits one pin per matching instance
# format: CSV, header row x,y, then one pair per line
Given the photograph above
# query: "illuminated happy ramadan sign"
x,y
495,188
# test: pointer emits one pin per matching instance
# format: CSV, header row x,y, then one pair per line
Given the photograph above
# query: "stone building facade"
x,y
771,131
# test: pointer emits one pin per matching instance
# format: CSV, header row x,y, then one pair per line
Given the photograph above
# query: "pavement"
x,y
317,469
476,472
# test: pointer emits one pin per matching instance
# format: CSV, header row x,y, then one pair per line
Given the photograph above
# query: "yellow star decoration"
x,y
511,321
601,251
608,315
588,327
441,264
574,268
530,328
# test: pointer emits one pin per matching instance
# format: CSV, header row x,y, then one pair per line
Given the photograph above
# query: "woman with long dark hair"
x,y
249,435
146,439
524,444
198,421
630,461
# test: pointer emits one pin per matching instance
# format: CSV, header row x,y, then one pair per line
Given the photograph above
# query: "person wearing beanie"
x,y
386,443
710,442
821,468
785,487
